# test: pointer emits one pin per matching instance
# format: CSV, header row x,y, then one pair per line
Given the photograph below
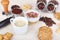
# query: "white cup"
x,y
32,19
44,5
19,30
51,10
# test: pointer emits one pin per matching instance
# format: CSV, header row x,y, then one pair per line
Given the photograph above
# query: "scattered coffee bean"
x,y
48,21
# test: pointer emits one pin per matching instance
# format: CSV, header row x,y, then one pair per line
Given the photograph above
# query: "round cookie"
x,y
45,33
57,15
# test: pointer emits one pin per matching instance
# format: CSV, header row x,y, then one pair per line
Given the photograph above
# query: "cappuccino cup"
x,y
19,24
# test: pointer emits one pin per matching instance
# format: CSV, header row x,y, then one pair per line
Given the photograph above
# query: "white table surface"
x,y
33,28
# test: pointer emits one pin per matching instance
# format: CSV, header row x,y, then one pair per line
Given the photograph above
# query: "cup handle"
x,y
11,20
56,6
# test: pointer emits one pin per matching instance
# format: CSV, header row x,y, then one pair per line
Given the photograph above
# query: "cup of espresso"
x,y
20,25
50,7
41,4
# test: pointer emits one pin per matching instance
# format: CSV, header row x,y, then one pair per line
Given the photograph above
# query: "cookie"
x,y
1,37
7,36
58,30
26,7
57,15
45,33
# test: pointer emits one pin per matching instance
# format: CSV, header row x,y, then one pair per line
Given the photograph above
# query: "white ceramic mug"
x,y
19,30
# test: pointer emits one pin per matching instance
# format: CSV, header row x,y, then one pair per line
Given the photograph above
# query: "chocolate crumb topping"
x,y
16,9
